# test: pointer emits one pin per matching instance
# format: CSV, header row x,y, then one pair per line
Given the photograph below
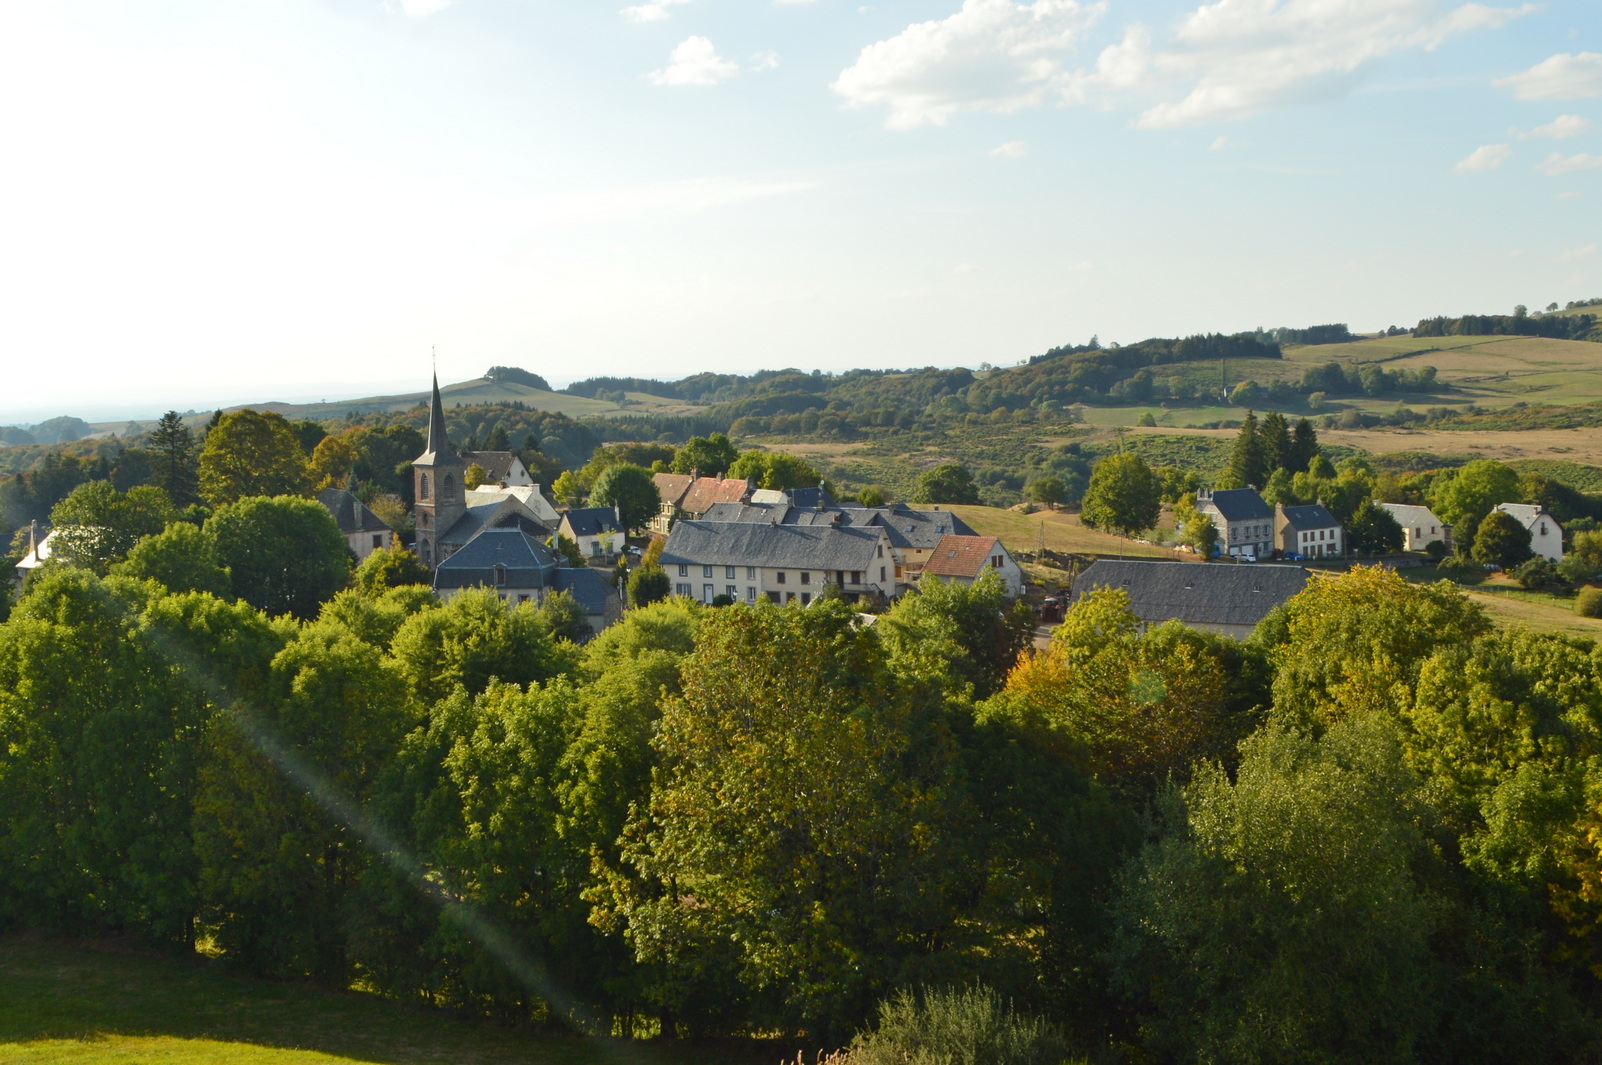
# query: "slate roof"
x,y
591,589
727,543
1196,593
593,521
497,464
903,526
960,556
438,452
350,513
529,563
1408,515
1239,504
1311,516
1526,513
509,512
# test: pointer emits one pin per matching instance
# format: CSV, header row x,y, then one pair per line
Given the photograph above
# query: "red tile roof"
x,y
709,490
960,556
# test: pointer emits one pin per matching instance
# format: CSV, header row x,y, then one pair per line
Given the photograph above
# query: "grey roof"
x,y
727,543
1526,513
1239,504
590,588
507,513
1311,516
810,497
497,465
439,451
1196,593
904,527
350,513
596,521
529,564
1409,514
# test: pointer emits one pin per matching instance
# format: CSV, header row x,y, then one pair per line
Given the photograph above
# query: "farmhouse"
x,y
964,558
501,468
748,561
1307,532
1420,526
1546,535
913,534
1245,523
1219,598
691,496
598,532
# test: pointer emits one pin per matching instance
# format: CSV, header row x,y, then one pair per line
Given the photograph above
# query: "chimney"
x,y
820,495
695,473
617,510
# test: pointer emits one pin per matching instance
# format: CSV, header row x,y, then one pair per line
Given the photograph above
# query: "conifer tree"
x,y
173,455
1246,465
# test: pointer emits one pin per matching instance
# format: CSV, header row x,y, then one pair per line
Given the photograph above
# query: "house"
x,y
501,468
1420,526
1226,599
1245,523
598,532
1546,535
521,569
964,558
749,561
1308,532
691,496
363,530
913,534
37,554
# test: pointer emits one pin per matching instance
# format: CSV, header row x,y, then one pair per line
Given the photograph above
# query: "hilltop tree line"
x,y
1366,834
1519,323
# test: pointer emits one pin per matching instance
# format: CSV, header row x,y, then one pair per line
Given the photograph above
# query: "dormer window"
x,y
500,575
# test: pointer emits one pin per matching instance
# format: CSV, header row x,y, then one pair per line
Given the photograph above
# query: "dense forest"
x,y
1366,834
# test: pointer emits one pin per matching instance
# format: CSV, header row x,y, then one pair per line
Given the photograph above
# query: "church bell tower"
x,y
438,492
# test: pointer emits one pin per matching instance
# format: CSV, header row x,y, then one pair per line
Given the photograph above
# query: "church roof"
x,y
525,562
350,513
439,451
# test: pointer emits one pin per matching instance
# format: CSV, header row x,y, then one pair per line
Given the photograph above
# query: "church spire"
x,y
439,442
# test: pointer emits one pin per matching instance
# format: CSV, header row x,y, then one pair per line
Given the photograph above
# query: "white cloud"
x,y
419,8
1485,157
1569,195
695,62
1560,128
1011,150
1250,56
654,11
1557,163
1560,77
1575,254
764,60
1218,145
993,55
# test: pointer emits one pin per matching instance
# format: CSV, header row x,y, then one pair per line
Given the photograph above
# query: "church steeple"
x,y
437,478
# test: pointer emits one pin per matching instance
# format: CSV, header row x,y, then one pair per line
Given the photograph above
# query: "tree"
x,y
871,496
1247,465
709,454
568,490
1373,530
1274,436
250,453
1464,499
286,554
775,469
1303,447
332,461
631,490
390,567
182,558
1048,490
173,460
96,525
1123,495
470,641
1195,527
474,476
567,549
965,636
564,619
947,483
1501,541
648,584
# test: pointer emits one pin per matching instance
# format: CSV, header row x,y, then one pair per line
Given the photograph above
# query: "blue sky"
x,y
207,202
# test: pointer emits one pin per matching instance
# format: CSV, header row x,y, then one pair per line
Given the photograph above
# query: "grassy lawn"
x,y
1064,532
1508,605
74,1003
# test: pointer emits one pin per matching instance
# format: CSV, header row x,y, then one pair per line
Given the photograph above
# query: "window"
x,y
806,577
856,576
881,573
732,592
445,487
881,550
806,597
750,595
773,597
995,561
595,547
500,575
682,589
779,576
684,569
706,571
750,573
728,573
898,573
422,487
378,541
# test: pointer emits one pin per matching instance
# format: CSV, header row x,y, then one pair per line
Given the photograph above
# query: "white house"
x,y
1309,531
1546,535
1245,523
964,558
750,561
1420,526
363,530
502,468
598,532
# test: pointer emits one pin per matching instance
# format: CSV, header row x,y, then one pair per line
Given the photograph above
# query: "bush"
x,y
972,1026
1436,549
1588,604
1539,574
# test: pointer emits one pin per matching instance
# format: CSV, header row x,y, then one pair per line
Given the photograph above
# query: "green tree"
x,y
567,549
96,525
286,555
1049,490
871,496
947,483
711,455
390,567
568,489
472,640
775,469
1303,447
564,619
1248,466
1280,489
1373,530
182,557
173,460
252,453
648,584
1195,528
965,636
1464,498
1123,495
630,489
1501,541
1274,437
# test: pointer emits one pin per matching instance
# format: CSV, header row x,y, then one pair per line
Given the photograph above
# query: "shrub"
x,y
1539,574
1436,549
972,1026
1588,604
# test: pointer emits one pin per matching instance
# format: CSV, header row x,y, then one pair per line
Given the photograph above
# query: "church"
x,y
494,539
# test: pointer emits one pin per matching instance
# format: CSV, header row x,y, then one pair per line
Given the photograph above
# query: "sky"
x,y
206,202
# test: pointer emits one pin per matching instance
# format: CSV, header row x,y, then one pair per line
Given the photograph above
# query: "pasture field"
x,y
1063,532
74,1003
